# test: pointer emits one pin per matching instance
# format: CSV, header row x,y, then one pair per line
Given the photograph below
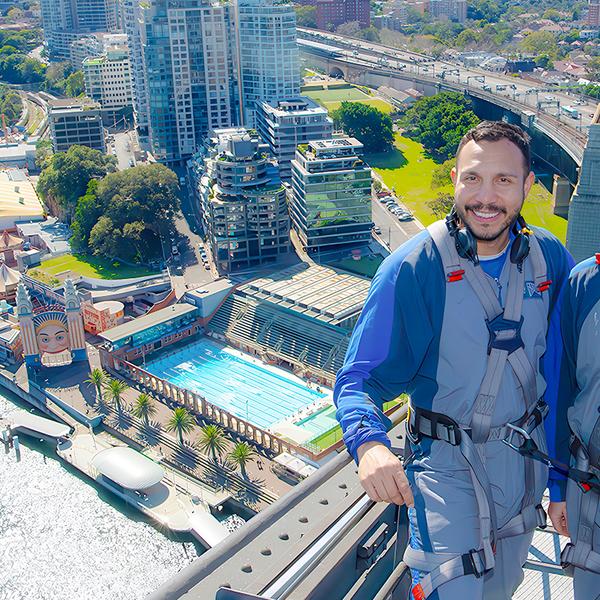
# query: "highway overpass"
x,y
557,138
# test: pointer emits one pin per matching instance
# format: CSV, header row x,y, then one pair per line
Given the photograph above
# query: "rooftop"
x,y
128,468
142,323
18,198
299,106
315,291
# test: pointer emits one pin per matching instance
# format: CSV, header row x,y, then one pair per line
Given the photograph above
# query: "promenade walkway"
x,y
260,488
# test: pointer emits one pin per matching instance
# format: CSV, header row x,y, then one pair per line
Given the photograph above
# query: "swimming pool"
x,y
243,386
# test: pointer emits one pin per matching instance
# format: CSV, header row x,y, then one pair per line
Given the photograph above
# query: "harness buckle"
x,y
505,334
542,518
470,563
456,275
516,430
565,559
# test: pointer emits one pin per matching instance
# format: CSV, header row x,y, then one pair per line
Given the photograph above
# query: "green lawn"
x,y
91,266
332,99
407,169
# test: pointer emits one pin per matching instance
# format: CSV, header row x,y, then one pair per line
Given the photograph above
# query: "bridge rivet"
x,y
247,568
303,519
284,536
324,501
266,552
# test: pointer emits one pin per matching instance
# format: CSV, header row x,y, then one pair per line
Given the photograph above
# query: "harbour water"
x,y
64,538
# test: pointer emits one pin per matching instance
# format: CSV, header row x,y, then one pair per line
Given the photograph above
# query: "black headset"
x,y
466,244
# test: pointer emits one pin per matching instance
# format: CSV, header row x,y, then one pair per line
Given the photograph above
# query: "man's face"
x,y
490,185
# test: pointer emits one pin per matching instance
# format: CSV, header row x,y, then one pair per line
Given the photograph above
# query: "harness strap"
x,y
580,552
442,567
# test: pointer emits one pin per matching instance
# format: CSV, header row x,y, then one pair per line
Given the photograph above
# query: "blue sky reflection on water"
x,y
62,538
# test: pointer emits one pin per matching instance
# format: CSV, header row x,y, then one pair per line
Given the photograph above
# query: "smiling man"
x,y
458,318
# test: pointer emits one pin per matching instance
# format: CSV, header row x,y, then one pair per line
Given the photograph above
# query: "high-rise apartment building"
x,y
190,86
268,53
583,231
93,44
243,201
108,82
593,17
332,13
331,194
74,121
132,24
64,21
285,124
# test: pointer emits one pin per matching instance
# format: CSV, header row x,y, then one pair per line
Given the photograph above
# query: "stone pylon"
x,y
583,231
25,314
74,322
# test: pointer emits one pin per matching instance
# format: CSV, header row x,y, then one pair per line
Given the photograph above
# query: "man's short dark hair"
x,y
492,131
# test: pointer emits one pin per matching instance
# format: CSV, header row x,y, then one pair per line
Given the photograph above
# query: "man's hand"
x,y
382,476
557,511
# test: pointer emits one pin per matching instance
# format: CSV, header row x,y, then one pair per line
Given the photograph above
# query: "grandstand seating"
x,y
298,339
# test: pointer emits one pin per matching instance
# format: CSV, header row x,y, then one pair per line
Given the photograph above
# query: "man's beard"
x,y
479,231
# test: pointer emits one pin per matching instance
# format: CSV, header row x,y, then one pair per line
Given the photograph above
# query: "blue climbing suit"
x,y
424,331
577,430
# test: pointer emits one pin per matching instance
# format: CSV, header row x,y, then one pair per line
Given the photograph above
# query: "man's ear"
x,y
529,181
453,174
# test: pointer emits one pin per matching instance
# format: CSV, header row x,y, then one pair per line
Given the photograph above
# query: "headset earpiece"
x,y
466,244
521,244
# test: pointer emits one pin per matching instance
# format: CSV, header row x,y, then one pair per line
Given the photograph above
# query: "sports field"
x,y
91,266
407,170
332,99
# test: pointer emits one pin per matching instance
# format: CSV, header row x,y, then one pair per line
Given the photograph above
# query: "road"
x,y
121,148
393,232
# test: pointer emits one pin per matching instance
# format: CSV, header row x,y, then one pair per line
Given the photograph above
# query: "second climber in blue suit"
x,y
458,318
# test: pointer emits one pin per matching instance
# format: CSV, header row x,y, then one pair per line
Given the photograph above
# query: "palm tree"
x,y
116,388
181,421
241,455
144,407
97,378
212,438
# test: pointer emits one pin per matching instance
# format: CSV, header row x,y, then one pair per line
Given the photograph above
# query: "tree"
x,y
439,122
552,14
181,421
367,124
241,455
97,378
144,408
43,153
212,439
74,84
467,38
11,105
66,177
126,214
593,68
306,16
115,389
441,205
440,176
541,42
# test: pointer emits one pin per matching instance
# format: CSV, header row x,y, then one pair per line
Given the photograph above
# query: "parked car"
x,y
405,217
376,229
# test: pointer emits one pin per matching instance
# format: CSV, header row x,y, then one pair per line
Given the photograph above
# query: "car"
x,y
131,163
207,266
376,229
405,217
